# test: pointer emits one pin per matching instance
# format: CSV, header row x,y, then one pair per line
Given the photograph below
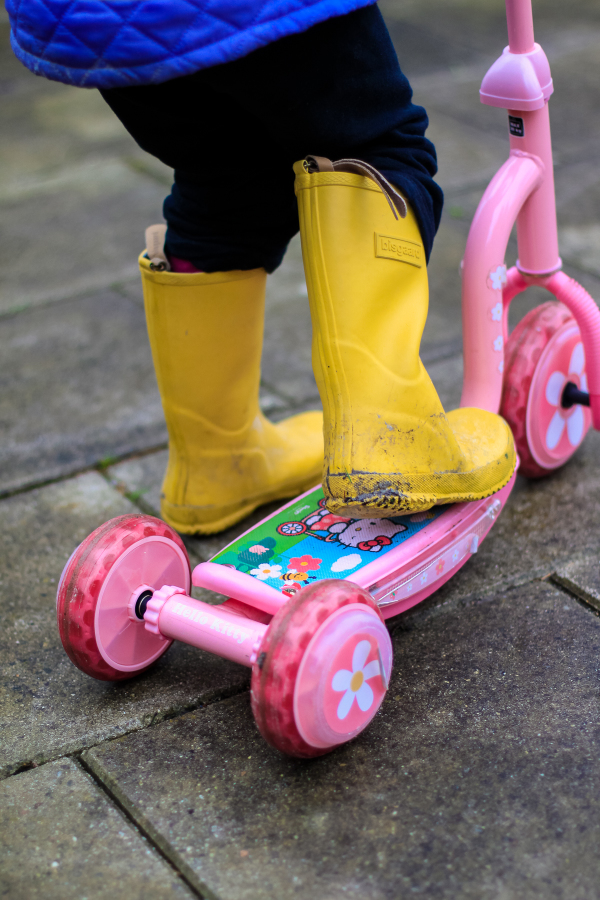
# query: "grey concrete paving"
x,y
479,778
141,478
49,708
87,232
73,203
62,838
581,577
77,385
544,524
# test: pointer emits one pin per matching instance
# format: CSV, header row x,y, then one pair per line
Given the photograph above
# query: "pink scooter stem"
x,y
519,19
522,191
537,234
484,276
174,615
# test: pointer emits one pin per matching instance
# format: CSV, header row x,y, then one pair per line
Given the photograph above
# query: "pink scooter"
x,y
309,591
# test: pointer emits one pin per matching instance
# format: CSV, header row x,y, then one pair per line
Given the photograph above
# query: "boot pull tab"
x,y
358,167
155,248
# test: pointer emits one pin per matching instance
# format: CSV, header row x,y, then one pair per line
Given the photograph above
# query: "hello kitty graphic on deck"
x,y
366,534
362,534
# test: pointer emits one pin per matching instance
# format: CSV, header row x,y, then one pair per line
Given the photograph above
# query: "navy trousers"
x,y
232,132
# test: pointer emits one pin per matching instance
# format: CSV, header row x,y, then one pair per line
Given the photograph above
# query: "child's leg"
x,y
205,330
232,205
389,446
233,132
336,91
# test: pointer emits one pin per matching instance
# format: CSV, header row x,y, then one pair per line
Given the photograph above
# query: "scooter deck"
x,y
399,560
303,542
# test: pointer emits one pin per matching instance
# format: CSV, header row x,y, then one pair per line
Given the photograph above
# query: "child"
x,y
231,96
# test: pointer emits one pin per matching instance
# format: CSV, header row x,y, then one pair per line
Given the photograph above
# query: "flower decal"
x,y
498,278
573,418
305,563
265,571
497,312
354,683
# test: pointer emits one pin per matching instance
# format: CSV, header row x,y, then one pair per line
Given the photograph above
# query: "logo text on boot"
x,y
397,248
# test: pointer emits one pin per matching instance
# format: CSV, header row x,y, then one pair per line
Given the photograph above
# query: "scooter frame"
x,y
321,659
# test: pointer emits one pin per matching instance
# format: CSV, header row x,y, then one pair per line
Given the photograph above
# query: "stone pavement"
x,y
480,777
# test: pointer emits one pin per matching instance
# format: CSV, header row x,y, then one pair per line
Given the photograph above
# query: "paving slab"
x,y
62,838
579,231
75,190
572,49
286,363
477,779
48,708
466,155
437,35
581,577
140,477
76,385
77,230
546,523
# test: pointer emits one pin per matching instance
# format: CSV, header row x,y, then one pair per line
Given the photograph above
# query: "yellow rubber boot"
x,y
225,457
389,446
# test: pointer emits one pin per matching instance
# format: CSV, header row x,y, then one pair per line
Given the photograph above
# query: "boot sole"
x,y
386,500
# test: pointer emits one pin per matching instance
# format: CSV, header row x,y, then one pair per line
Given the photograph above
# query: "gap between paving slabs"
x,y
581,578
478,775
63,838
545,525
161,846
141,821
48,708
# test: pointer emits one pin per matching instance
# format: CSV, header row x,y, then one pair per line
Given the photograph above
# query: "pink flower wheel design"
x,y
543,353
322,670
127,556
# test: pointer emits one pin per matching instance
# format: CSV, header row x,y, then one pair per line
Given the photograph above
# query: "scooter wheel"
x,y
543,353
120,562
322,670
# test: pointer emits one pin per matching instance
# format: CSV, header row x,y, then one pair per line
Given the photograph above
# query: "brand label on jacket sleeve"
x,y
397,248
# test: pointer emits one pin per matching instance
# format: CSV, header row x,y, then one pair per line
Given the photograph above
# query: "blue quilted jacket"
x,y
113,43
